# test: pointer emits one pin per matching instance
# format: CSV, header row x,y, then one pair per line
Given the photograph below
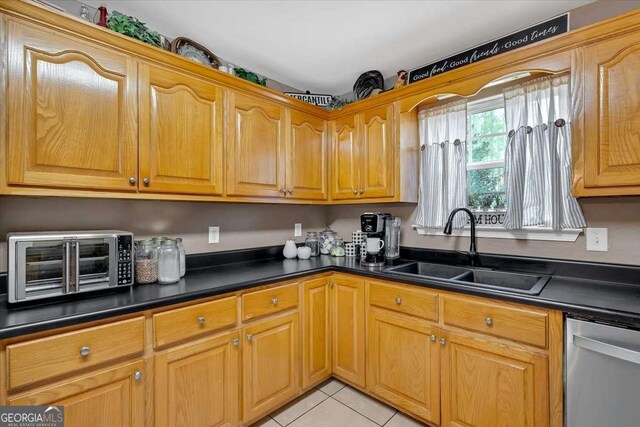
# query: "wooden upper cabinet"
x,y
255,147
307,157
114,396
485,385
377,153
181,133
612,116
73,112
197,383
345,169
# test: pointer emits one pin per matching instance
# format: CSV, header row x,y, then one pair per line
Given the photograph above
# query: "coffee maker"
x,y
372,225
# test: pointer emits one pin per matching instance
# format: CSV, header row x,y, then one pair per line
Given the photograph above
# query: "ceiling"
x,y
323,46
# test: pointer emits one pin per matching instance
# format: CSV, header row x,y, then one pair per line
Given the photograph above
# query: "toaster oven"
x,y
50,264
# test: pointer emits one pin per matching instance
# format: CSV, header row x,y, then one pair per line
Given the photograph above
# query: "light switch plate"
x,y
597,239
214,234
297,230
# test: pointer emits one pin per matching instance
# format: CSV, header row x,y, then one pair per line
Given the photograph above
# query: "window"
x,y
486,136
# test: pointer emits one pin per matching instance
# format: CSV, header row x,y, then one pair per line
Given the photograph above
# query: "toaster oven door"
x,y
59,266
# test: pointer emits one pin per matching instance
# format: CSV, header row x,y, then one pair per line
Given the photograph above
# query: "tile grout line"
x,y
357,412
389,420
275,421
307,411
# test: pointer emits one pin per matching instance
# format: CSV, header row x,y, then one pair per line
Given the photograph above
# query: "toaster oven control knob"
x,y
84,351
146,181
137,375
133,180
201,320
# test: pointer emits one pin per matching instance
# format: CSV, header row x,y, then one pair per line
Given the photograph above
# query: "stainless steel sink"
x,y
530,284
424,269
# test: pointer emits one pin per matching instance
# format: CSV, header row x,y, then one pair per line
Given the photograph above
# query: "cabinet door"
x,y
377,153
110,397
345,167
307,158
72,112
180,133
348,329
196,384
316,337
270,364
488,385
404,363
256,148
612,112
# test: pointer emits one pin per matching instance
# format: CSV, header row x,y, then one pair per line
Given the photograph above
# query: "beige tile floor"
x,y
334,404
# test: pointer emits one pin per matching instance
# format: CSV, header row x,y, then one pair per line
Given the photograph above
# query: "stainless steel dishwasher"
x,y
602,374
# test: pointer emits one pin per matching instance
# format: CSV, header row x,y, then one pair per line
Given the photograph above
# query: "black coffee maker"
x,y
372,225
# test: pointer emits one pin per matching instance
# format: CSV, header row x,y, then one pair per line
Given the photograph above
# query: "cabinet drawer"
x,y
176,325
49,357
516,324
268,301
404,299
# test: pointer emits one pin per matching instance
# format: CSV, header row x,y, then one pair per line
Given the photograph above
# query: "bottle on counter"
x,y
313,242
183,256
146,264
168,262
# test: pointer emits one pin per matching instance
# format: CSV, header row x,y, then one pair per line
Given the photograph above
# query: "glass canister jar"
x,y
313,242
338,248
146,265
183,256
327,236
168,262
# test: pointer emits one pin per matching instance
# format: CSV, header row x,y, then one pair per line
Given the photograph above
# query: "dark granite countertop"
x,y
601,290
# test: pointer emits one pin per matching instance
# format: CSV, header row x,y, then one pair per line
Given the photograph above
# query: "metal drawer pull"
x,y
249,337
201,320
488,321
146,181
235,342
137,375
274,300
398,300
607,349
432,337
133,180
355,191
443,341
84,351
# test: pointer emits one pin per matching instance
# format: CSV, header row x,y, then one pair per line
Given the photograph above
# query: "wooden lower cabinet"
x,y
196,384
316,332
271,365
487,385
114,396
348,320
404,363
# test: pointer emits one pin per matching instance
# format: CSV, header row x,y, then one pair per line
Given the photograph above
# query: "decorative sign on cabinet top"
x,y
317,99
525,37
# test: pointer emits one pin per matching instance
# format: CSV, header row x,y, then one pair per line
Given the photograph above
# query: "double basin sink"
x,y
529,284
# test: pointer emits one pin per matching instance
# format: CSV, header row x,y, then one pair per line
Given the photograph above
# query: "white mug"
x,y
374,245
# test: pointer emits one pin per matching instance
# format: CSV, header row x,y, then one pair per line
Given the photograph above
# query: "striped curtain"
x,y
443,164
537,159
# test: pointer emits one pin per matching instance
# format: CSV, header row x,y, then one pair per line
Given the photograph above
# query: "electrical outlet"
x,y
214,234
297,230
597,239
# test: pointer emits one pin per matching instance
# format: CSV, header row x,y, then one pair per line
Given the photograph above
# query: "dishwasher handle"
x,y
611,350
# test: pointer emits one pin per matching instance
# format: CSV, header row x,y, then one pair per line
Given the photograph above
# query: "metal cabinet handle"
x,y
137,375
361,191
133,180
433,337
249,337
398,300
146,181
283,190
488,321
290,190
443,341
84,351
274,300
355,191
331,284
607,349
235,342
201,320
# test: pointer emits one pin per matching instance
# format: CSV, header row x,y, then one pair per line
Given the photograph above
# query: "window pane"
x,y
487,149
488,122
485,188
